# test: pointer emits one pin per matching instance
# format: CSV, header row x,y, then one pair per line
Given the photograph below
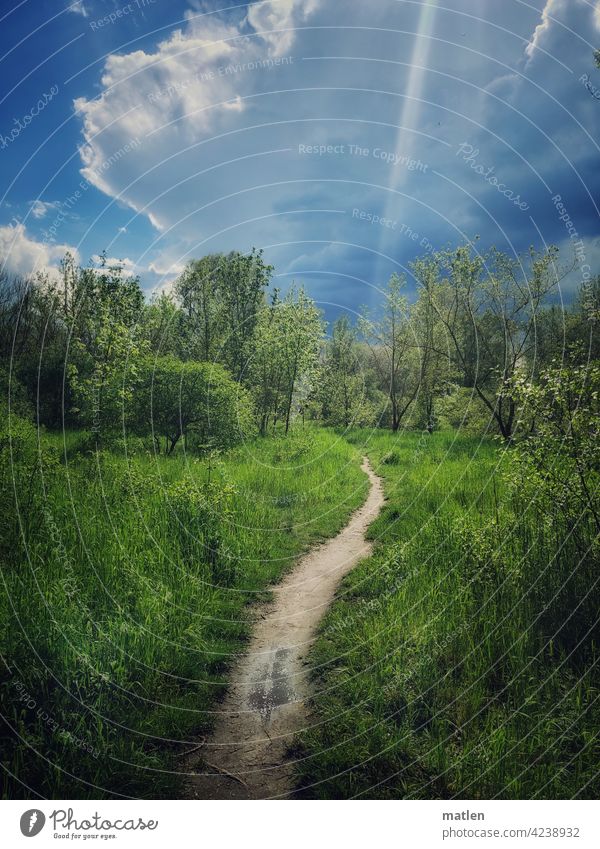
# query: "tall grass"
x,y
126,595
461,658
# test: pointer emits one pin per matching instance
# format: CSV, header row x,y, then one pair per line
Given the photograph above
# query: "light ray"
x,y
411,104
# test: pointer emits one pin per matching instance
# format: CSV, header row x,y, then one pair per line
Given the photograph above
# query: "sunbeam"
x,y
411,105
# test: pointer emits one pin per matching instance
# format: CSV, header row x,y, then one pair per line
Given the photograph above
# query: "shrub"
x,y
197,401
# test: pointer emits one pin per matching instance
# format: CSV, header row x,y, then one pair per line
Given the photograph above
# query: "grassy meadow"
x,y
460,660
128,590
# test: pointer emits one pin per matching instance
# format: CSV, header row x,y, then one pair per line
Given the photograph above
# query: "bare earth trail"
x,y
266,703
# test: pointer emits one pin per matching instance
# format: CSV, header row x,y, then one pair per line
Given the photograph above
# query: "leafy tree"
x,y
393,348
198,291
345,383
221,296
162,326
286,356
266,371
488,308
437,374
34,338
554,471
106,344
244,279
175,399
558,436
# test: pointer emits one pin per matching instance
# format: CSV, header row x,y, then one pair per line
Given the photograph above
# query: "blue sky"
x,y
344,137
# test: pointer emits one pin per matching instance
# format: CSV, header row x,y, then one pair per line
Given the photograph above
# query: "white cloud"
x,y
541,29
156,105
39,208
128,266
78,9
559,20
164,268
275,21
22,254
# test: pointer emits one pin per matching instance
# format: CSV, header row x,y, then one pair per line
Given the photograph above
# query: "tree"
x,y
554,475
287,345
175,399
435,366
488,306
198,293
221,296
393,345
106,343
33,339
345,381
162,326
244,279
266,370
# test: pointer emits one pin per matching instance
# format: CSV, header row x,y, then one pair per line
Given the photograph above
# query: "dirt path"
x,y
265,706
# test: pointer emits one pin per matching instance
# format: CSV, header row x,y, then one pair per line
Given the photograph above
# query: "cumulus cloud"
x,y
559,22
40,208
201,134
541,29
166,268
20,253
154,106
275,21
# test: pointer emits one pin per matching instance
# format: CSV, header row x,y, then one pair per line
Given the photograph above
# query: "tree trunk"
x,y
174,440
395,416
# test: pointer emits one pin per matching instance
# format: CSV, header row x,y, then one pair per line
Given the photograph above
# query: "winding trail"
x,y
266,705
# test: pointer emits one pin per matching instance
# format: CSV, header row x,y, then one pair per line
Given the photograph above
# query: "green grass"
x,y
460,659
130,598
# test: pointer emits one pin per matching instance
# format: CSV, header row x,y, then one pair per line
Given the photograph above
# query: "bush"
x,y
197,401
25,469
464,410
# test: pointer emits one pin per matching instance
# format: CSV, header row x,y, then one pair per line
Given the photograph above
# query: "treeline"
x,y
225,354
211,363
454,357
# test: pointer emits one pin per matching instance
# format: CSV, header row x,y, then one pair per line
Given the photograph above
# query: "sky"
x,y
343,137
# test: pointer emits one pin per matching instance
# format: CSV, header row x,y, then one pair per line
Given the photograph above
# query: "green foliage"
x,y
460,660
220,297
285,363
345,388
174,399
26,467
395,356
487,307
555,476
13,395
463,409
125,601
558,458
163,326
106,345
